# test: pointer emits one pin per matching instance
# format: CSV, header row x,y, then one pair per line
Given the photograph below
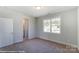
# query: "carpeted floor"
x,y
38,46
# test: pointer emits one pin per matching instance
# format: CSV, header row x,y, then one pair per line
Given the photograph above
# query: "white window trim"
x,y
51,25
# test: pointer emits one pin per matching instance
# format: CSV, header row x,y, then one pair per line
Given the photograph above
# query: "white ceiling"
x,y
31,11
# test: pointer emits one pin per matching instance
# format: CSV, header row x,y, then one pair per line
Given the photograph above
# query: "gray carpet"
x,y
37,46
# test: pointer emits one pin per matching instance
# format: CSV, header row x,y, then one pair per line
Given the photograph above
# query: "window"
x,y
52,25
46,25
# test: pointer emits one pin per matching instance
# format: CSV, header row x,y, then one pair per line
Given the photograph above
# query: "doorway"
x,y
25,28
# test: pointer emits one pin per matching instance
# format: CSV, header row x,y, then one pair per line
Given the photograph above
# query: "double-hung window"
x,y
46,24
52,25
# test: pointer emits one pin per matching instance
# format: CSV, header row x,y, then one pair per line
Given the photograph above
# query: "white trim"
x,y
72,45
78,26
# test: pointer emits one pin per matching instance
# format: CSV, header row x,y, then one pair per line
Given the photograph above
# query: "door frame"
x,y
25,25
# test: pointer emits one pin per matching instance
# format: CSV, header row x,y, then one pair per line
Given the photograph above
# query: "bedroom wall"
x,y
68,33
17,31
31,30
17,25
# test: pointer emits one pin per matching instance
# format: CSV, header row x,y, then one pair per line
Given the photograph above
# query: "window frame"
x,y
51,25
44,24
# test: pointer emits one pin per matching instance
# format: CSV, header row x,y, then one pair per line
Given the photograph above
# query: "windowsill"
x,y
51,33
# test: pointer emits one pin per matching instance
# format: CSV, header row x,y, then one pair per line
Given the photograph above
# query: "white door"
x,y
6,32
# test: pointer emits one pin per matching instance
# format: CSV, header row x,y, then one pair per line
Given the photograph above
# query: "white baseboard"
x,y
18,41
4,45
68,44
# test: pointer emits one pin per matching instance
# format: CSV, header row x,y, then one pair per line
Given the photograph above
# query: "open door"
x,y
6,32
